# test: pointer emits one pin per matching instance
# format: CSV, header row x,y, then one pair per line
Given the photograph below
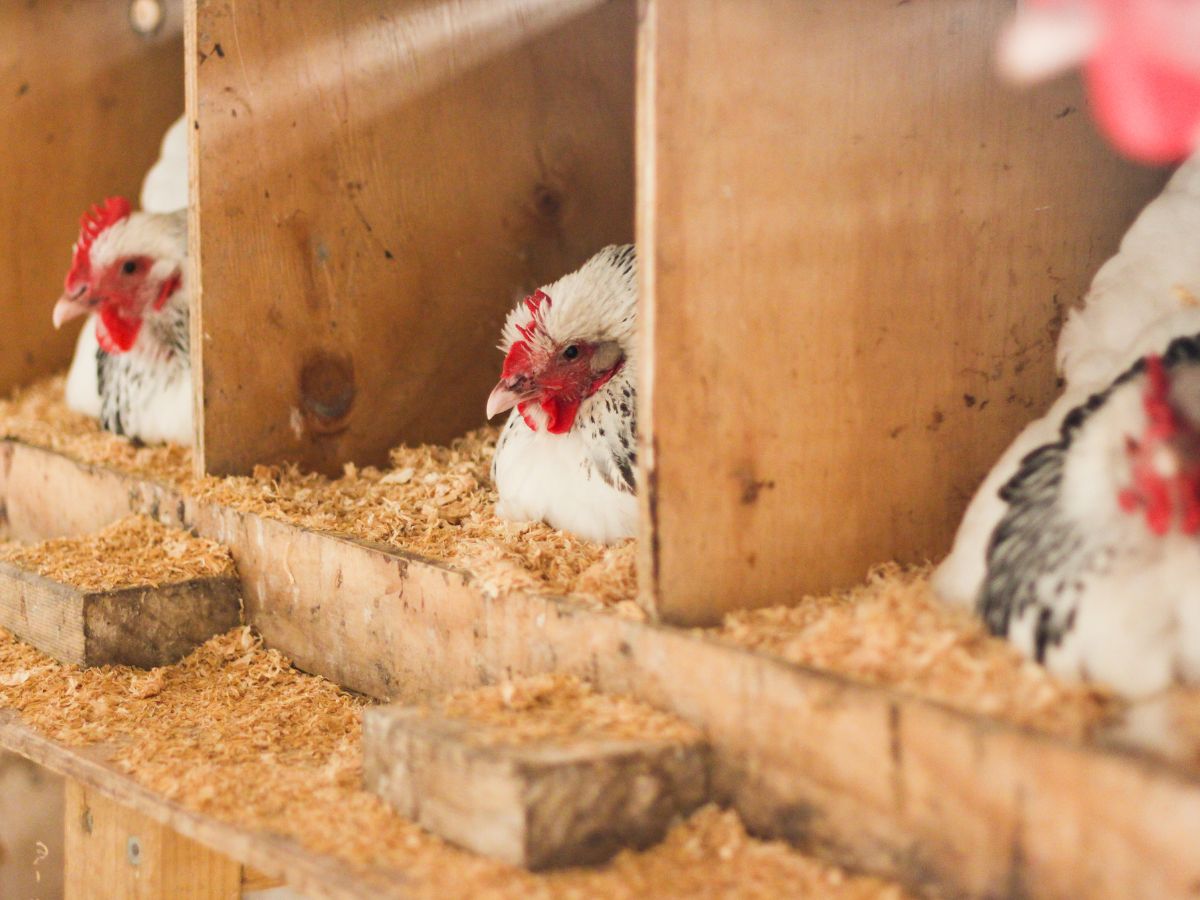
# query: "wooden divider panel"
x,y
857,249
84,103
377,184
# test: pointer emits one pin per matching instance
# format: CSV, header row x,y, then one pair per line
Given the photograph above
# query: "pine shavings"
x,y
892,631
134,552
559,709
236,733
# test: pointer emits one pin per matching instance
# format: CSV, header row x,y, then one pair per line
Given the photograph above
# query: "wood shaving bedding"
x,y
559,709
136,551
893,631
236,733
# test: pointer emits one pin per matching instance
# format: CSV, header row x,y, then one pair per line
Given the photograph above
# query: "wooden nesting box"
x,y
538,805
84,101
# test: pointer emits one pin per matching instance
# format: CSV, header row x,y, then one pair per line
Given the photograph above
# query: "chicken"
x,y
1140,299
1093,567
129,268
1141,60
567,455
164,190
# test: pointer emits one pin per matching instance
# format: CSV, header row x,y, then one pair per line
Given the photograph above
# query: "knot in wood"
x,y
327,392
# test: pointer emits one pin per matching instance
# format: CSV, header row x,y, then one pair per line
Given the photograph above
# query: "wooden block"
x,y
84,103
140,626
856,249
388,177
116,853
533,805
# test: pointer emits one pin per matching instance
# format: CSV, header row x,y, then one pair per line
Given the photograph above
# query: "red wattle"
x,y
114,333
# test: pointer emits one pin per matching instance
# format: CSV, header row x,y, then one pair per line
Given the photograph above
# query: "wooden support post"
x,y
114,853
535,805
386,178
84,103
856,249
141,626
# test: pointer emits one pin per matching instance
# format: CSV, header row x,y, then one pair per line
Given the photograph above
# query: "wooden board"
x,y
377,184
534,805
138,626
84,103
857,248
113,851
877,780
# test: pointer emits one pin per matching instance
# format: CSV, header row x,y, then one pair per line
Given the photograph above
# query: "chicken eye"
x,y
129,267
571,352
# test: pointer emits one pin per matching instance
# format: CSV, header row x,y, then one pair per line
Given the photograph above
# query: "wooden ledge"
x,y
538,805
876,780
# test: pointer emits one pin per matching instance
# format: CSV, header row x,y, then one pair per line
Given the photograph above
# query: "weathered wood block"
x,y
136,626
533,805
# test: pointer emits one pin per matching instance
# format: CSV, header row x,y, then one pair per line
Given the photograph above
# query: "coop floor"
x,y
235,733
437,502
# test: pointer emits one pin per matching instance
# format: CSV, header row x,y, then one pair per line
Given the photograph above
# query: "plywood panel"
x,y
84,103
377,183
857,248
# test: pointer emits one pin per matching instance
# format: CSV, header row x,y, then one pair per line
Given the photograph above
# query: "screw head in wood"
x,y
146,16
133,851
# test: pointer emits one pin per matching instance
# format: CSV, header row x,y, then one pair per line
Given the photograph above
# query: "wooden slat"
x,y
536,805
116,853
84,103
875,779
141,626
377,183
856,247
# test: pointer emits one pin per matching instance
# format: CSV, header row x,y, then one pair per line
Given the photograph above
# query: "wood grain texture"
x,y
857,248
377,184
114,852
875,779
535,805
141,626
84,103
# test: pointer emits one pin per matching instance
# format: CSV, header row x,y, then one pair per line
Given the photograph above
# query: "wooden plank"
x,y
386,177
877,780
534,805
31,829
114,852
272,856
139,626
84,103
853,279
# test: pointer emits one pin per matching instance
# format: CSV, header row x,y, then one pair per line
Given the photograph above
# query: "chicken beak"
x,y
70,306
502,398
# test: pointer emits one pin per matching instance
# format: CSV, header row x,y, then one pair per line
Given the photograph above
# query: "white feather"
x,y
165,188
82,392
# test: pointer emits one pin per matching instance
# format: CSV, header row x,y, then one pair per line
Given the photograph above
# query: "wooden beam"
x,y
84,103
385,178
114,851
878,780
856,247
536,805
139,626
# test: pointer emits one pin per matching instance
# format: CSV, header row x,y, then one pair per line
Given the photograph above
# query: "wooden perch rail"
x,y
875,779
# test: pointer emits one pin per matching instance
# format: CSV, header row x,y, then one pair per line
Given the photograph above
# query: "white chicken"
x,y
1140,299
130,270
567,455
164,190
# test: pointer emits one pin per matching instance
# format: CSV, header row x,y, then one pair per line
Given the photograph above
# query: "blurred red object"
x,y
1141,61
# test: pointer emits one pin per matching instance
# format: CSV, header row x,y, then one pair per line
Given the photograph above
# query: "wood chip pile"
x,y
137,551
559,709
236,733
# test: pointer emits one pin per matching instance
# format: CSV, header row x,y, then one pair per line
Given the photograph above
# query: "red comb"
x,y
91,224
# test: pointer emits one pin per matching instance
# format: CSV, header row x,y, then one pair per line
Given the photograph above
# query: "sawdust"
x,y
136,551
235,733
559,709
893,631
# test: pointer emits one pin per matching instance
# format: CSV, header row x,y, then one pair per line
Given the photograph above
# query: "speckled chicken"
x,y
567,455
